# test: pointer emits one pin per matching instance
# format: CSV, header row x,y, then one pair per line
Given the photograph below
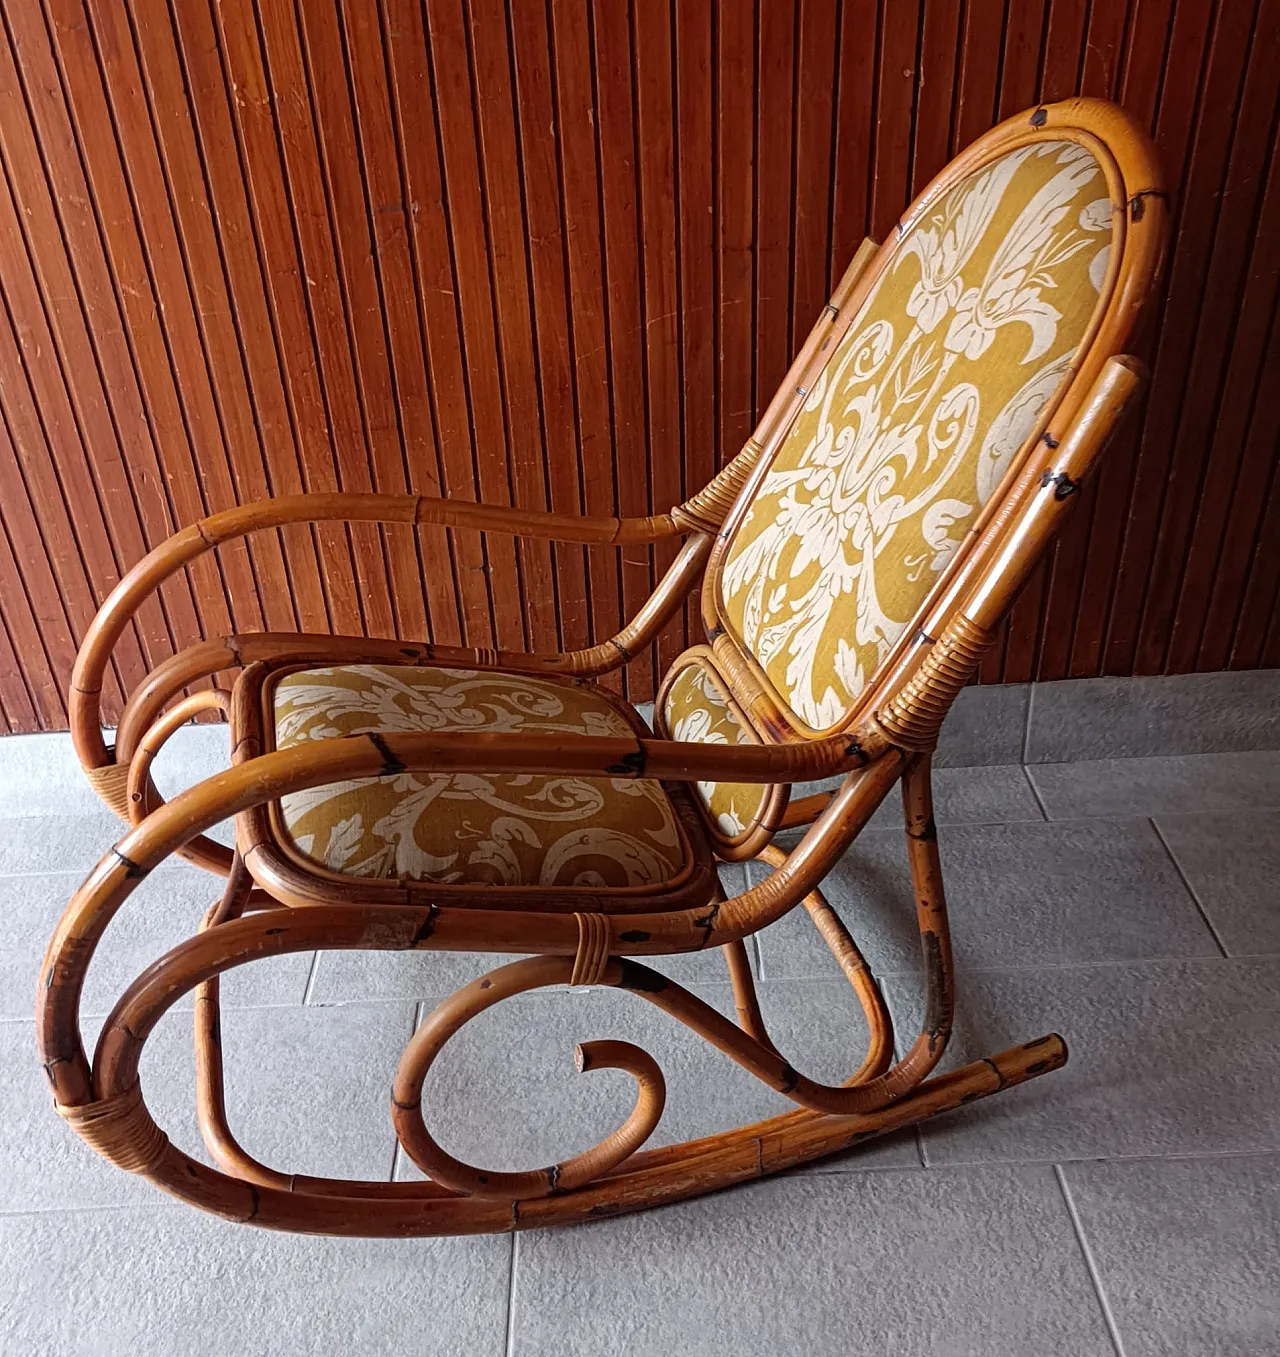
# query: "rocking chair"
x,y
856,558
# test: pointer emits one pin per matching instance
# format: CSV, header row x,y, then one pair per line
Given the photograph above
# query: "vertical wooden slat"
x,y
421,560
939,52
1262,591
227,188
509,265
1100,534
80,315
1224,312
815,72
1240,542
579,170
421,168
285,285
104,84
855,104
1188,266
312,222
696,253
619,193
734,174
450,55
347,293
1019,78
774,116
43,651
654,56
895,90
545,215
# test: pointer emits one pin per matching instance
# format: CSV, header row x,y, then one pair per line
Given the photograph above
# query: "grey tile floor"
x,y
1128,1205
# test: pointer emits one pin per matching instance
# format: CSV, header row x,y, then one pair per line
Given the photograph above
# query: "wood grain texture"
x,y
558,254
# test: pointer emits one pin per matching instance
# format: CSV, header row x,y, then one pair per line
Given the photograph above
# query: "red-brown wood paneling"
x,y
557,253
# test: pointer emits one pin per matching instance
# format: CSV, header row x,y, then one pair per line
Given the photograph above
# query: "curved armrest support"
x,y
175,553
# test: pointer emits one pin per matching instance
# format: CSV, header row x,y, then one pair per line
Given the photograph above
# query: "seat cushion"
x,y
937,384
466,828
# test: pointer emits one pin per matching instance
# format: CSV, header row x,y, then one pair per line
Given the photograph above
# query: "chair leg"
x,y
851,961
211,1106
750,1018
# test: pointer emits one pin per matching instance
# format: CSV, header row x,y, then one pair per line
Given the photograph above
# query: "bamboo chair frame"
x,y
271,906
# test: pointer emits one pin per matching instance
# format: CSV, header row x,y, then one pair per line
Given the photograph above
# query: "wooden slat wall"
x,y
558,253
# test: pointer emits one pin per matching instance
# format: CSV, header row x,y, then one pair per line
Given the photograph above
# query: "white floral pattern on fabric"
x,y
695,711
914,421
492,829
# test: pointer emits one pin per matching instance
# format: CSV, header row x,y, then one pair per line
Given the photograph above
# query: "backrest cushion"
x,y
935,386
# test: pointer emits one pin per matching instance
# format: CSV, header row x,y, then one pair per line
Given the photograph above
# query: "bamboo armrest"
x,y
423,509
183,547
251,782
587,756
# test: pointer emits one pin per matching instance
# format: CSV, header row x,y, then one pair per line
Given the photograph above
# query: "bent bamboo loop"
x,y
519,977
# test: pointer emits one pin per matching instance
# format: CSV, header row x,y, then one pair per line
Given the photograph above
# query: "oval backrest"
x,y
967,333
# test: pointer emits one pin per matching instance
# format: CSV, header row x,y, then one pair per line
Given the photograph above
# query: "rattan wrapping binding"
x,y
111,782
120,1129
593,949
913,718
705,511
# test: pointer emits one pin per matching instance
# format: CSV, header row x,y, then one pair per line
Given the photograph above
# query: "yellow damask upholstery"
x,y
695,710
497,830
936,385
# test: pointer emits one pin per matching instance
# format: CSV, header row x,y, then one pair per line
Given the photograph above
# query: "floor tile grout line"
x,y
1102,963
22,1213
1191,890
309,988
414,1023
1035,793
509,1345
1026,723
851,1166
1089,1261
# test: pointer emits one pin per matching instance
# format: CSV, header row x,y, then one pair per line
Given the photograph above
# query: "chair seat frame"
x,y
273,907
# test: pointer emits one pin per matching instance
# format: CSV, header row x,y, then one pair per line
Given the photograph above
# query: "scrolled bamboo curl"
x,y
519,977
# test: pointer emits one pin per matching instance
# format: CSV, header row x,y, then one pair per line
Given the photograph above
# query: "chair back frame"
x,y
1139,227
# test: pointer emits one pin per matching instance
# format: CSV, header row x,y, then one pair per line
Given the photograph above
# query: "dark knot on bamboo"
x,y
121,1130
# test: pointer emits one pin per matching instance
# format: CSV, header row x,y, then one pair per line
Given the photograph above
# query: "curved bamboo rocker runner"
x,y
856,559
